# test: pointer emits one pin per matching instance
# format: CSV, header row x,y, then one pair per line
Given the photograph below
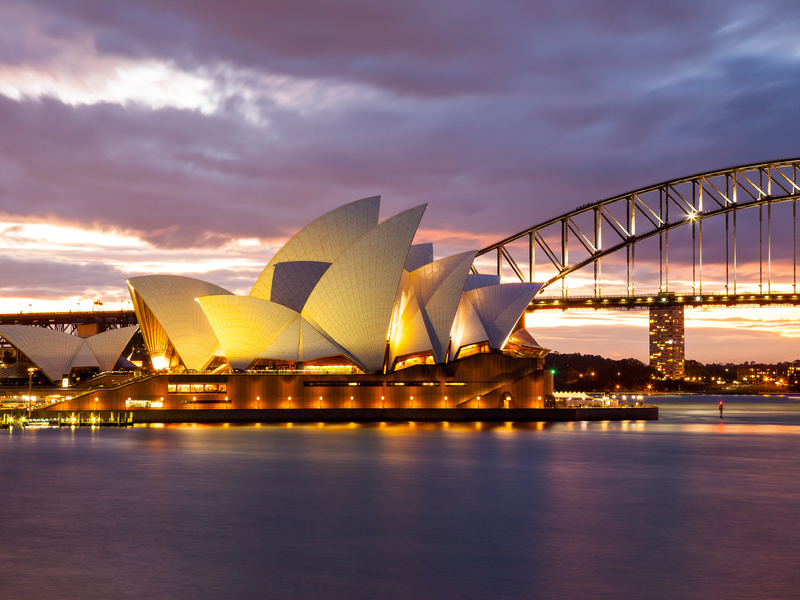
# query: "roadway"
x,y
664,299
44,319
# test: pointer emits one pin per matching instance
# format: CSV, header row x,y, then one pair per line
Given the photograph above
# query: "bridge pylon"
x,y
667,339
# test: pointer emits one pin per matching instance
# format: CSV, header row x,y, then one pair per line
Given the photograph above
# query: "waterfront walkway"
x,y
352,415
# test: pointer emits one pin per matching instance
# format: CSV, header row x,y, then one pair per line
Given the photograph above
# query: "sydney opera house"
x,y
348,314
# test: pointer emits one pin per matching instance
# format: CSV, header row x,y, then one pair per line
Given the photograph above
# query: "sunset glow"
x,y
129,152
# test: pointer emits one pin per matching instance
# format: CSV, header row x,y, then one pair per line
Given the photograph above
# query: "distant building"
x,y
756,374
667,340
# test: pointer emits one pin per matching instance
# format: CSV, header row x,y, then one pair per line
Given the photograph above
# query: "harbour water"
x,y
690,506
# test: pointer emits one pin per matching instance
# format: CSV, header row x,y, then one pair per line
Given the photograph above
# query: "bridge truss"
x,y
74,321
616,225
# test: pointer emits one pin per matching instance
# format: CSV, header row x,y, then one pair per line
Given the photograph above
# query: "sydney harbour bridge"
x,y
721,238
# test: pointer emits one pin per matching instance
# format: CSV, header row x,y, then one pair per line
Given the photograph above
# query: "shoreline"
x,y
343,415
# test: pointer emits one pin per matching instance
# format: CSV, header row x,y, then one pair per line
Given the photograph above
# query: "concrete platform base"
x,y
370,415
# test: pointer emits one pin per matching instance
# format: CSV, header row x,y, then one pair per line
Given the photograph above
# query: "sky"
x,y
195,137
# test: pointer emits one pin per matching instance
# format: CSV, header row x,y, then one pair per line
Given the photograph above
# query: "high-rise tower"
x,y
667,340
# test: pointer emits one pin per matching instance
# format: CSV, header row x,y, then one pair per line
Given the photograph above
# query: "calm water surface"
x,y
685,507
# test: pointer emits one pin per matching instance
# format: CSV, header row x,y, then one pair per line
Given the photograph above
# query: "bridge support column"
x,y
667,340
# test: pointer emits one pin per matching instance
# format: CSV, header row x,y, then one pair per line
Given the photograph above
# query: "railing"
x,y
120,384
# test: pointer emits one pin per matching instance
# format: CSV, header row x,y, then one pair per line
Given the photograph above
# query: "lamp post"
x,y
31,371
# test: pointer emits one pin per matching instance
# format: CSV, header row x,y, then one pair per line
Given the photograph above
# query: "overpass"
x,y
733,231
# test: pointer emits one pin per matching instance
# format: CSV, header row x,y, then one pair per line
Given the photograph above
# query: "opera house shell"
x,y
347,292
57,353
348,313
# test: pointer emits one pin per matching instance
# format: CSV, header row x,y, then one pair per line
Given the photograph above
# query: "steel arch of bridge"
x,y
655,211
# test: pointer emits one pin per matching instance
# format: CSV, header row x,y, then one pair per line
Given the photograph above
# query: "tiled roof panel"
x,y
171,300
353,301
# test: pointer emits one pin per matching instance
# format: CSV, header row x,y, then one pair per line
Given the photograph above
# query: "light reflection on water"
x,y
688,506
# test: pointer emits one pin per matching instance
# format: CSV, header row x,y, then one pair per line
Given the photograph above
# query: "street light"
x,y
31,371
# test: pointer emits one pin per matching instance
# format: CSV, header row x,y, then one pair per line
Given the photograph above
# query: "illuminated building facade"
x,y
759,374
349,313
667,340
346,292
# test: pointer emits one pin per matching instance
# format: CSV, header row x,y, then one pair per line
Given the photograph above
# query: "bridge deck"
x,y
670,299
126,317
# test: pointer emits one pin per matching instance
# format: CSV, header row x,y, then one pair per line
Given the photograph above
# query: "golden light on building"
x,y
348,301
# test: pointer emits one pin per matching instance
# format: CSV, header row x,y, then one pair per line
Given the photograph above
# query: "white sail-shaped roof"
x,y
409,334
467,327
523,337
500,307
285,345
84,357
170,298
475,281
352,303
313,344
51,351
438,287
108,346
343,285
419,255
244,325
293,282
400,300
299,341
321,241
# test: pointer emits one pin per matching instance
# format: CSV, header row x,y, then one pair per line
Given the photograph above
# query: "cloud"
x,y
189,127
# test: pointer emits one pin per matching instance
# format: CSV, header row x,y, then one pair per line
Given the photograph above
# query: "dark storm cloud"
x,y
436,48
497,114
416,46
